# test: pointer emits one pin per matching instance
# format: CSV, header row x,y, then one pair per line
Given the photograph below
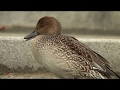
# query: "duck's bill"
x,y
30,36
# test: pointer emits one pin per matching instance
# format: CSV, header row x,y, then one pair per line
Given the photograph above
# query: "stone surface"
x,y
15,52
43,75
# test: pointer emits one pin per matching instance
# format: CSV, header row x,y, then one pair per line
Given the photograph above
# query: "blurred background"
x,y
88,23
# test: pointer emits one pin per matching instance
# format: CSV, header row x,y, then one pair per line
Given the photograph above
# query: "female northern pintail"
x,y
64,55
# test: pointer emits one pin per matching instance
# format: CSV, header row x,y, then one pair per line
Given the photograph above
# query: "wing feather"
x,y
97,62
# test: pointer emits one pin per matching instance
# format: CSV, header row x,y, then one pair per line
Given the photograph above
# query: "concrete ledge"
x,y
41,75
15,53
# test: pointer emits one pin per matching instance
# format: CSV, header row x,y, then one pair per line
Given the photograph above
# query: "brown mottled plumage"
x,y
64,55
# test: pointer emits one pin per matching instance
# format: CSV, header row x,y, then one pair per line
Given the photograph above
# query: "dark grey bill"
x,y
30,36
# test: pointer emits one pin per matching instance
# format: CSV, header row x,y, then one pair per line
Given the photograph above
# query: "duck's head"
x,y
46,26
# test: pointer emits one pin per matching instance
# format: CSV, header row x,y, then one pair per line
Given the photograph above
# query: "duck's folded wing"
x,y
97,61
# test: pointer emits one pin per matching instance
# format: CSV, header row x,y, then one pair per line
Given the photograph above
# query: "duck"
x,y
64,55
